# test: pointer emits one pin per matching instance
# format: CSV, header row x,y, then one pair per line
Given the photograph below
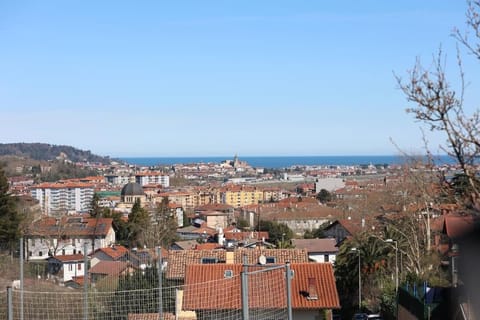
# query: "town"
x,y
199,222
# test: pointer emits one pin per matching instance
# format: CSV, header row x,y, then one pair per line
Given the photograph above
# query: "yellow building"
x,y
239,196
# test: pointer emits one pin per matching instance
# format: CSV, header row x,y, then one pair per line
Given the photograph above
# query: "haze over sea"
x,y
280,161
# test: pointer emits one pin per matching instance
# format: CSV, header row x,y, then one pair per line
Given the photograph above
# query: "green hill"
x,y
46,152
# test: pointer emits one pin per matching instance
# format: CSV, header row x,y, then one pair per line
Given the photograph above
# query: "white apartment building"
x,y
117,180
146,178
63,197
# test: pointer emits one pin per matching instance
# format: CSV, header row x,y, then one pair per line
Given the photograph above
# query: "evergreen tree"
x,y
138,221
279,233
9,218
95,210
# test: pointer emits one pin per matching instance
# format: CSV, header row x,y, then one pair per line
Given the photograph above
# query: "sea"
x,y
277,162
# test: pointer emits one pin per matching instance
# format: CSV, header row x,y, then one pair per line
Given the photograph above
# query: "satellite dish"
x,y
262,259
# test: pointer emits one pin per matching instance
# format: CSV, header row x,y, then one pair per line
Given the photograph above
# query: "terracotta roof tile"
x,y
114,252
225,294
179,259
109,268
69,257
316,245
281,255
457,226
70,226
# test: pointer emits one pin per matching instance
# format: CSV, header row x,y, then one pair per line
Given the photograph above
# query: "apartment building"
x,y
63,197
152,177
239,196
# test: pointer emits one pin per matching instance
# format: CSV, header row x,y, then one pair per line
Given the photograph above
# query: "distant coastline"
x,y
280,161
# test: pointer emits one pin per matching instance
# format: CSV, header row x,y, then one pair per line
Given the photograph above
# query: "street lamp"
x,y
396,262
359,279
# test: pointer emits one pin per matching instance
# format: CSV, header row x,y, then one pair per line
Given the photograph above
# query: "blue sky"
x,y
184,78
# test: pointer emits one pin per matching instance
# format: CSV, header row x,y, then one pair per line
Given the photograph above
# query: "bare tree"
x,y
442,108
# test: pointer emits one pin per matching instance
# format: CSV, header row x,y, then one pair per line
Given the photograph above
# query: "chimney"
x,y
229,257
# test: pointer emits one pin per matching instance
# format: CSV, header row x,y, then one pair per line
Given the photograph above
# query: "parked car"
x,y
374,316
360,316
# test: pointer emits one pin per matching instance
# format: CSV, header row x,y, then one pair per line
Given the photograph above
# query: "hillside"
x,y
46,152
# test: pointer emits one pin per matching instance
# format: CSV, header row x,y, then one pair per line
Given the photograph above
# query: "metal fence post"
x,y
9,303
289,290
244,287
160,293
21,278
85,281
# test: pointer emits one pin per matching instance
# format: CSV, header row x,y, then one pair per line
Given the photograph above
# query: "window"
x,y
40,253
79,267
271,259
326,258
209,260
228,273
70,267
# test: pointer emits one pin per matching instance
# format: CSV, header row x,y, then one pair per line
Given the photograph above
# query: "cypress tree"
x,y
9,218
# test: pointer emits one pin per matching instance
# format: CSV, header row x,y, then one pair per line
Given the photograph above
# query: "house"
x,y
313,291
202,233
104,269
111,253
319,250
67,235
342,229
216,219
64,268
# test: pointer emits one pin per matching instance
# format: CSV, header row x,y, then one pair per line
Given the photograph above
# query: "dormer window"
x,y
228,274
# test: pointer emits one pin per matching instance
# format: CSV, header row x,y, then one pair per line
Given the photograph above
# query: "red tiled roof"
x,y
70,226
245,235
69,257
208,246
66,185
114,252
316,245
266,289
179,259
281,255
214,207
458,226
109,267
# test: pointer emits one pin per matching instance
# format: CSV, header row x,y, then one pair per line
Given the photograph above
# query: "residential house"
x,y
64,268
319,250
216,219
302,217
313,290
111,253
104,269
67,235
342,229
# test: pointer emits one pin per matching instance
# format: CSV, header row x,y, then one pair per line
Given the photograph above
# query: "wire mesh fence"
x,y
141,295
71,287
